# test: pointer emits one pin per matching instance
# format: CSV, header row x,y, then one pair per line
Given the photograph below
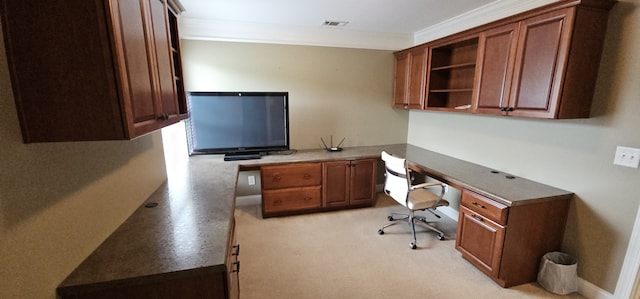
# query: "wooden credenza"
x,y
295,188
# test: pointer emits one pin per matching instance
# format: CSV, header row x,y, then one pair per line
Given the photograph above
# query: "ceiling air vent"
x,y
334,23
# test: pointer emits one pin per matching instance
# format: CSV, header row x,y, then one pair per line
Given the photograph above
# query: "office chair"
x,y
397,185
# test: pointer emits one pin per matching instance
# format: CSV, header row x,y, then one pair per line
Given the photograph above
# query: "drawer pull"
x,y
237,267
476,217
306,176
478,205
308,198
237,248
276,178
277,202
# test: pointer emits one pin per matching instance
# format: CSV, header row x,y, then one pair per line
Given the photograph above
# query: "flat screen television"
x,y
241,125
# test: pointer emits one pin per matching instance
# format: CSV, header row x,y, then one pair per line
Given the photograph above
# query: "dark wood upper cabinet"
x,y
543,46
496,68
410,78
542,63
93,70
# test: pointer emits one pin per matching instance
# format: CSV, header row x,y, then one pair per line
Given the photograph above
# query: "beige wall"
x,y
59,201
332,91
575,155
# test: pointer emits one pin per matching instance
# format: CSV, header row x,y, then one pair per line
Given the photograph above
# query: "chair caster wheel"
x,y
440,237
390,218
380,232
412,245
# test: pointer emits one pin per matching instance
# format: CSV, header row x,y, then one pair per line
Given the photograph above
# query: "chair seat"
x,y
420,199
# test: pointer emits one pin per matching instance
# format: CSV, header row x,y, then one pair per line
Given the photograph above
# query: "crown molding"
x,y
488,13
225,30
220,30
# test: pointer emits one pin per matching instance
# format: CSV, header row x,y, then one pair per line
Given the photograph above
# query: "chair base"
x,y
411,219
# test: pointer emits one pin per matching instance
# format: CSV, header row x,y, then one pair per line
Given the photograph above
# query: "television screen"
x,y
237,122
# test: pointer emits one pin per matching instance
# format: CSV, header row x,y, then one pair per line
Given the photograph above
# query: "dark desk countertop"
x,y
189,229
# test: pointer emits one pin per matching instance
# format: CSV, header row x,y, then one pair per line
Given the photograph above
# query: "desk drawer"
x,y
485,206
291,175
291,199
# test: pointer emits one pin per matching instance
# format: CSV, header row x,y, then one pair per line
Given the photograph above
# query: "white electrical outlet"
x,y
251,180
627,156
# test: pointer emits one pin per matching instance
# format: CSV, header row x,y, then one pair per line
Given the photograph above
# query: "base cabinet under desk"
x,y
506,243
297,188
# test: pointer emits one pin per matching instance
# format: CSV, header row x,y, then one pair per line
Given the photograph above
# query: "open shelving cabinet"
x,y
451,75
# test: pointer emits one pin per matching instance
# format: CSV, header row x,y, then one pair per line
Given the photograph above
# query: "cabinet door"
x,y
543,46
141,30
363,182
495,68
163,51
348,183
480,241
135,64
336,184
410,79
417,78
401,79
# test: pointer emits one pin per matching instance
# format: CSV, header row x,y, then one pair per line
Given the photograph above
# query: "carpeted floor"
x,y
340,255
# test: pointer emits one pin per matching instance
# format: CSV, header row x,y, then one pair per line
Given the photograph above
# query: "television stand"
x,y
241,156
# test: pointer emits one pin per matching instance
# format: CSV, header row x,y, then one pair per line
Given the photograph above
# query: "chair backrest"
x,y
396,178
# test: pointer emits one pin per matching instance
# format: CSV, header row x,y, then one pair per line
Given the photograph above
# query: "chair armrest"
x,y
430,184
444,187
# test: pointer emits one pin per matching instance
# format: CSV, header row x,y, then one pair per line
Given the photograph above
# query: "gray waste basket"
x,y
558,273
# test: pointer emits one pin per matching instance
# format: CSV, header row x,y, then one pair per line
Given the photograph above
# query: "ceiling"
x,y
388,24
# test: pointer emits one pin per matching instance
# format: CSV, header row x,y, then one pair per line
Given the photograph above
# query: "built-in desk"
x,y
185,243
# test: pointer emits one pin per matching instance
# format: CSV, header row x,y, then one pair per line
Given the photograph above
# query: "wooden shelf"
x,y
451,74
452,90
455,66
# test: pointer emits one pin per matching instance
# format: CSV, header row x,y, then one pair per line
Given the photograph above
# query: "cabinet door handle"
x,y
476,217
237,248
237,267
478,205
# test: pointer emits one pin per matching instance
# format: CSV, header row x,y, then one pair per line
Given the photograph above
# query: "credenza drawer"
x,y
485,206
291,199
291,175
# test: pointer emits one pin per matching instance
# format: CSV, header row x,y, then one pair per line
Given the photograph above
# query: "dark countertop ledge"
x,y
189,229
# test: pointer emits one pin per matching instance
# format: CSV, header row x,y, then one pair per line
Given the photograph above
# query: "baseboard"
x,y
247,200
591,291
